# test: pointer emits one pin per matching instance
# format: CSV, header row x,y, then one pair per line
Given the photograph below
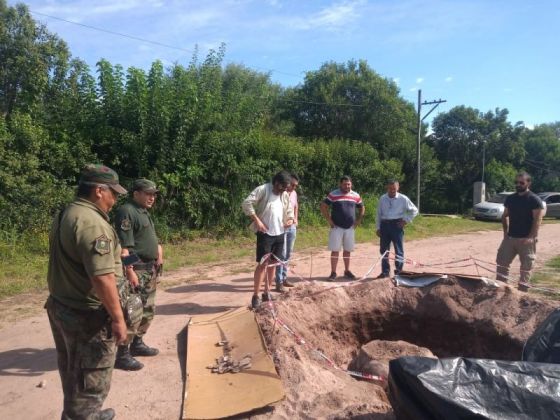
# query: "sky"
x,y
485,54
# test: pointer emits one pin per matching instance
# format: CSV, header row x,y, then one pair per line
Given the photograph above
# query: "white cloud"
x,y
331,17
83,10
419,80
413,89
448,79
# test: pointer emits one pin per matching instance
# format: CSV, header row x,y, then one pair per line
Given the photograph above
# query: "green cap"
x,y
94,174
145,185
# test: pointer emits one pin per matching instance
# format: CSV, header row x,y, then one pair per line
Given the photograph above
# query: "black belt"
x,y
391,220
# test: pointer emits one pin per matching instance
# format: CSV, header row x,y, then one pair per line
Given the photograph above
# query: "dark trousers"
x,y
391,233
85,351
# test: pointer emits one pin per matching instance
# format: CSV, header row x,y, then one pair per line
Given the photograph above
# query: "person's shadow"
x,y
27,362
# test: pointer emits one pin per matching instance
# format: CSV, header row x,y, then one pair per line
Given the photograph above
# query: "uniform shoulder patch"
x,y
125,224
102,245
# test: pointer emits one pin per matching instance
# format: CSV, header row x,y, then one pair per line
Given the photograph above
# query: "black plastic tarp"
x,y
544,345
461,388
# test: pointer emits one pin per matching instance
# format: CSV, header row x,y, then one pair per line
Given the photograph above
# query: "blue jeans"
x,y
281,270
391,233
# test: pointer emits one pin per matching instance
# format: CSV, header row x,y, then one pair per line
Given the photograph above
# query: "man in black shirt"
x,y
522,217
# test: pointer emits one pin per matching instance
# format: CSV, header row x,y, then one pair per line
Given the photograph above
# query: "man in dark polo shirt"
x,y
342,219
137,235
522,217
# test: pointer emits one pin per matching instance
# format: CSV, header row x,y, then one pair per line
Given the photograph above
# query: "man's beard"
x,y
521,188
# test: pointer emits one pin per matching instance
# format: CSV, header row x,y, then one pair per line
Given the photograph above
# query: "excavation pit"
x,y
451,318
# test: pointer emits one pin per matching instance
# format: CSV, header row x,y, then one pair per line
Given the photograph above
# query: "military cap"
x,y
145,185
96,174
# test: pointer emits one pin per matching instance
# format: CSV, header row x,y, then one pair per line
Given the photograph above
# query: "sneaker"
x,y
332,276
279,288
266,296
288,284
255,302
349,275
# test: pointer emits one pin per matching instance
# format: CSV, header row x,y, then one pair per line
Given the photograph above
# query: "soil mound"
x,y
453,317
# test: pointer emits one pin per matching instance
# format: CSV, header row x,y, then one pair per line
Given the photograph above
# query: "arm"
x,y
361,212
105,289
378,218
411,211
326,213
296,215
537,219
505,221
129,272
288,210
248,207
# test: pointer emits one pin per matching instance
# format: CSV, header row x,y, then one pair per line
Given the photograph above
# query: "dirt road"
x,y
27,355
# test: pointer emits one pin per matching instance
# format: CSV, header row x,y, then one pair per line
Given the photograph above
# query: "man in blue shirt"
x,y
394,212
342,219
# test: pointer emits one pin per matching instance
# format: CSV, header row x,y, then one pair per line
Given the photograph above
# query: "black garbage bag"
x,y
544,345
422,388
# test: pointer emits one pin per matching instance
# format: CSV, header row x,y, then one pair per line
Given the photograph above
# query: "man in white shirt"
x,y
270,209
394,212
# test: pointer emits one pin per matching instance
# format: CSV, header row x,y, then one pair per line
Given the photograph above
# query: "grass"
x,y
25,256
549,279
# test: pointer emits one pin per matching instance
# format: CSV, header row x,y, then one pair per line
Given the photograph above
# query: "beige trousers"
x,y
509,248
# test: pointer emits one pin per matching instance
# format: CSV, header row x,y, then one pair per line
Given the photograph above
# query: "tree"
x,y
459,137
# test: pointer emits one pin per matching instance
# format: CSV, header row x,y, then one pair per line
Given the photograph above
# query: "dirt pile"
x,y
451,318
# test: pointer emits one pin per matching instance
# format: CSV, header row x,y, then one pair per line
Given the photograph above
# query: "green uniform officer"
x,y
83,307
137,235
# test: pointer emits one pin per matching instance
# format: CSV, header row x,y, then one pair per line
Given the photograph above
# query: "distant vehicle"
x,y
552,201
491,209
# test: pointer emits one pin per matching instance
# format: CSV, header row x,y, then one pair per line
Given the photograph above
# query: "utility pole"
x,y
419,137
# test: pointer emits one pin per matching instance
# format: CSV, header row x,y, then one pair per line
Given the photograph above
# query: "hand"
x,y
401,223
528,241
132,277
356,224
261,227
118,329
159,260
378,233
289,223
331,223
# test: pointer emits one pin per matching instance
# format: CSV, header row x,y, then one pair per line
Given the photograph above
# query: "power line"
x,y
137,38
95,28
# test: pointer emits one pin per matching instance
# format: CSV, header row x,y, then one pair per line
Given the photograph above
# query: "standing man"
x,y
394,212
291,233
342,220
137,234
271,213
83,307
521,220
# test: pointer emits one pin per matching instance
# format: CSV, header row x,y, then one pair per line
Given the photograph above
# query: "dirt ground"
x,y
27,355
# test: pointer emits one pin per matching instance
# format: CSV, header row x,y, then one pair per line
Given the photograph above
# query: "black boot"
x,y
107,414
125,361
138,348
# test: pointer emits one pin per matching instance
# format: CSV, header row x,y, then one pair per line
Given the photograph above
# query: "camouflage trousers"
x,y
86,354
147,280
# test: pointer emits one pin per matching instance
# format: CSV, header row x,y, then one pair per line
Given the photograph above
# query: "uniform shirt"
x,y
398,207
343,207
520,208
136,231
82,245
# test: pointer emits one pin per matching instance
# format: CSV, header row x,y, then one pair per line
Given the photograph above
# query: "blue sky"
x,y
479,53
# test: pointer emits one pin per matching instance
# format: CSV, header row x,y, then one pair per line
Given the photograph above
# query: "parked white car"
x,y
491,209
552,203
